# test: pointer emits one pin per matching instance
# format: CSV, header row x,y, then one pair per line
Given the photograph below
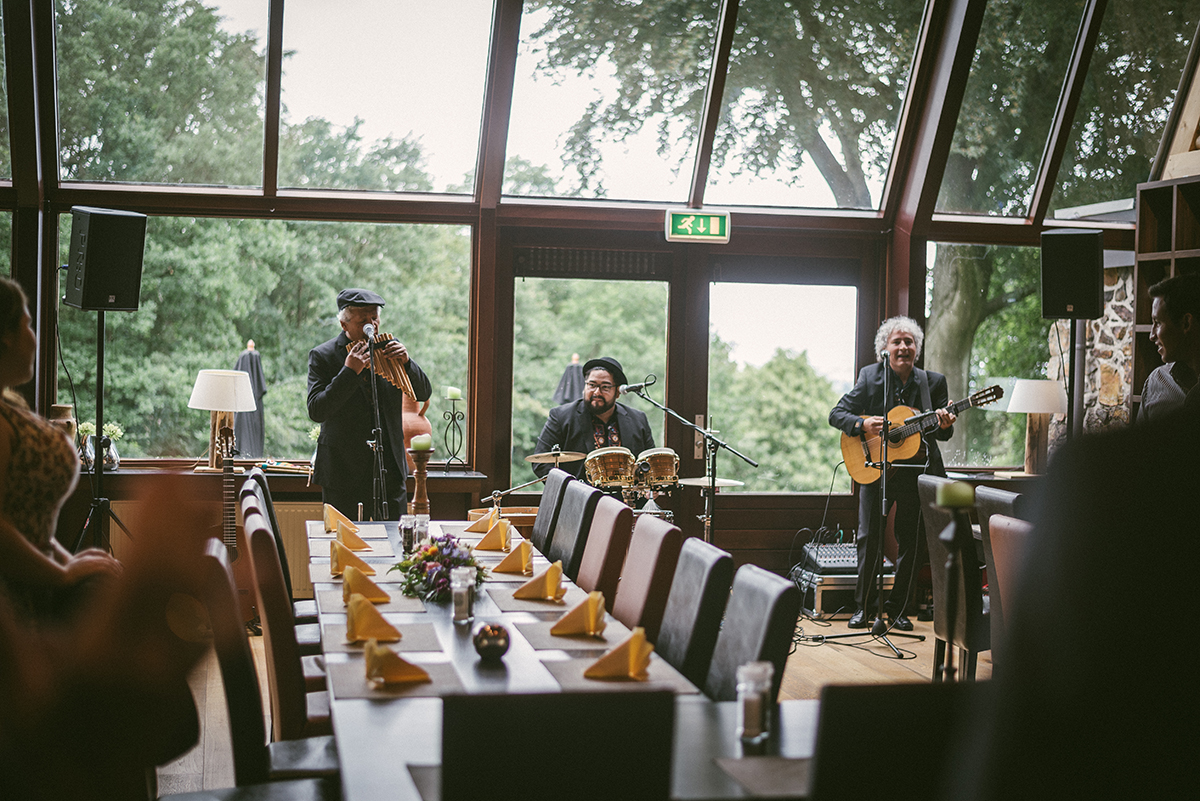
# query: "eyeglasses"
x,y
592,385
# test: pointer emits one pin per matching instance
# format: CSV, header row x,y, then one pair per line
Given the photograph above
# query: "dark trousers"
x,y
902,494
346,498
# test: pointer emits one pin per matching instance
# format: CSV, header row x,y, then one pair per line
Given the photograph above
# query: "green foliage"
x,y
778,415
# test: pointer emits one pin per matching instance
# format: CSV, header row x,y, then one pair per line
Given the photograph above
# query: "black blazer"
x,y
340,400
570,427
866,398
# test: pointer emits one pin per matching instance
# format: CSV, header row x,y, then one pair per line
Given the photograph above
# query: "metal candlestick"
x,y
453,436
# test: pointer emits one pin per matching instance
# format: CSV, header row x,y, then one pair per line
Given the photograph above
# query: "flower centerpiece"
x,y
426,572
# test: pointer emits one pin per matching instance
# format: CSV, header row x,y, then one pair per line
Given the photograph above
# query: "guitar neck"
x,y
929,422
229,510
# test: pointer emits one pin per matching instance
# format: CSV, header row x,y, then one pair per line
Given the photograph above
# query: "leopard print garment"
x,y
42,472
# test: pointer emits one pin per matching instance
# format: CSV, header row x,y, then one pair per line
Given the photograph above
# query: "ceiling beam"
x,y
273,100
713,100
497,108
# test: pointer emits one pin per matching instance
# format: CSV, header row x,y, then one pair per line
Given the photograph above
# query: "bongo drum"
x,y
658,469
609,467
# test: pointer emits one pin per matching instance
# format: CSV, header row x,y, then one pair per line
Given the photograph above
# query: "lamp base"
x,y
1037,442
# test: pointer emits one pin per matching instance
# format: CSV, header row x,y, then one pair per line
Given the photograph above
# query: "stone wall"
x,y
1109,363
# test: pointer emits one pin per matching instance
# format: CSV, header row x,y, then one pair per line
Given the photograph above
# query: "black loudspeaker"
x,y
105,268
1072,274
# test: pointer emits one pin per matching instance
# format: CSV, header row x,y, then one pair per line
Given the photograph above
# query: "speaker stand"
x,y
101,510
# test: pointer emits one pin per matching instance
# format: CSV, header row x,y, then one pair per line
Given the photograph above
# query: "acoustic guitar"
x,y
234,536
907,426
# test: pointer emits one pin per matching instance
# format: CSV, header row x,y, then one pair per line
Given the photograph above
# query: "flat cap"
x,y
606,363
358,297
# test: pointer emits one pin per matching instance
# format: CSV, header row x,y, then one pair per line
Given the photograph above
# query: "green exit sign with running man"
x,y
695,225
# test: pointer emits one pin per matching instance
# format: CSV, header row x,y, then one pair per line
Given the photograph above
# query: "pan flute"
x,y
392,370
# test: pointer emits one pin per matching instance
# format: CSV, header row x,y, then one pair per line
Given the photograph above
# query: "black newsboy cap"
x,y
358,297
606,363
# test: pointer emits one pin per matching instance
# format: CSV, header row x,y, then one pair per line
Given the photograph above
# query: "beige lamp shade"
x,y
1038,399
1038,396
221,392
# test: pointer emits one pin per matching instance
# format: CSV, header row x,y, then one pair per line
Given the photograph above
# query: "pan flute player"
x,y
339,398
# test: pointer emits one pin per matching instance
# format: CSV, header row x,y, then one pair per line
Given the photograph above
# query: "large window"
x,y
608,98
811,103
211,285
985,327
556,319
397,85
1011,95
780,356
160,94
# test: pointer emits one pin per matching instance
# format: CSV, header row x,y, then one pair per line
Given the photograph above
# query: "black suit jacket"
x,y
570,427
866,398
340,400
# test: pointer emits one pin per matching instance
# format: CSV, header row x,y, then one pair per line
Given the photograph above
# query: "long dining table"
x,y
385,733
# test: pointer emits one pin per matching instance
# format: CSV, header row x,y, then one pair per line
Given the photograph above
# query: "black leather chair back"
x,y
991,501
759,624
573,525
547,514
692,618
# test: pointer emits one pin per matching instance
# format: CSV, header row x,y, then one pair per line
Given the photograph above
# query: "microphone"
x,y
650,381
883,354
369,332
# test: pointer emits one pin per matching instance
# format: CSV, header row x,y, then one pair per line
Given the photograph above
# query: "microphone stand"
x,y
379,485
881,630
712,445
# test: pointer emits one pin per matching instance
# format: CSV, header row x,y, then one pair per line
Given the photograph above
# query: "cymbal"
x,y
553,457
702,481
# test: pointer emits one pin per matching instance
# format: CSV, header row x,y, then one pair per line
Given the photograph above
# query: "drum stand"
x,y
712,446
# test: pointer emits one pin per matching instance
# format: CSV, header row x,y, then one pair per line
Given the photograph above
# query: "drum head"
x,y
655,451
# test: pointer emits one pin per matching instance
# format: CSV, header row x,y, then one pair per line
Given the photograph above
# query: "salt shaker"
x,y
422,527
754,681
462,585
408,533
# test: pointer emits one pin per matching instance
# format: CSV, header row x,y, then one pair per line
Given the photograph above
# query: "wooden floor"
x,y
858,660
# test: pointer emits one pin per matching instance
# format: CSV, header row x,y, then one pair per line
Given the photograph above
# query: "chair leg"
x,y
970,659
939,658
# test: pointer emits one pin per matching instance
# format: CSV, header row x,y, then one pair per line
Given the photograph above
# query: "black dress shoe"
x,y
859,620
902,623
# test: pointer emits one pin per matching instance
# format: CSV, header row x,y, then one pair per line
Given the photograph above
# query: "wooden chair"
x,y
607,543
1010,536
990,501
624,739
254,759
573,525
692,617
547,514
306,610
294,712
308,635
760,622
972,633
647,573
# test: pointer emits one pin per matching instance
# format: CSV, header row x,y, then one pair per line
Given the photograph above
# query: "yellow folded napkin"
x,y
484,523
355,581
586,618
385,666
364,622
498,537
346,535
545,586
333,516
340,556
628,660
520,560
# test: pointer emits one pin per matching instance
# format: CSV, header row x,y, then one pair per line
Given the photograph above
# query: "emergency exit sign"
x,y
696,225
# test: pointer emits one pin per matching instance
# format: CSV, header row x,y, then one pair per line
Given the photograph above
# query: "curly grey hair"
x,y
893,324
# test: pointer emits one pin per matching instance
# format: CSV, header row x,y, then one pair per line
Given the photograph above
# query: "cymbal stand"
x,y
712,445
496,495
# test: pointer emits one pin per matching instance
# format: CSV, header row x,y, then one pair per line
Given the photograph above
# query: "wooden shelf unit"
x,y
1168,244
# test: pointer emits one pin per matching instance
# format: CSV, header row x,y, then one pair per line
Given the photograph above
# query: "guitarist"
x,y
861,412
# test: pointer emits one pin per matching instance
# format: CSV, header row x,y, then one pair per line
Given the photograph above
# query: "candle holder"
x,y
453,436
420,501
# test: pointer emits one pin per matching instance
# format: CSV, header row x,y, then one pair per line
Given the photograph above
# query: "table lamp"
x,y
222,392
1037,399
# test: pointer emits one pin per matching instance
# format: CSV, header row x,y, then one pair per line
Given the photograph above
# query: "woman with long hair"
x,y
39,467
